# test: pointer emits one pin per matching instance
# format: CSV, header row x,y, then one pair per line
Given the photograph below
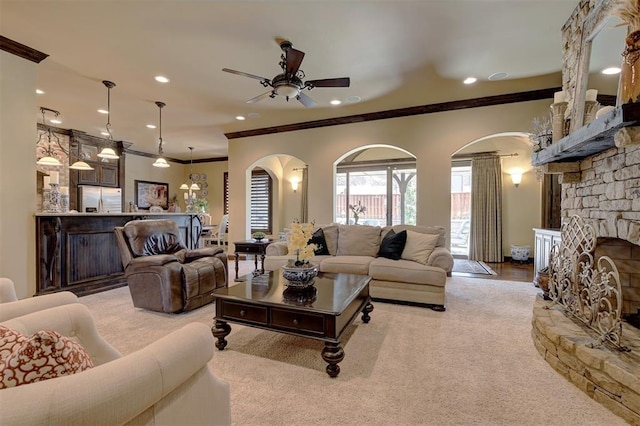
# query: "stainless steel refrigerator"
x,y
99,199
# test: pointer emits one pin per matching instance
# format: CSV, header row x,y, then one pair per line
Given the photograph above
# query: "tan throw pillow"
x,y
45,355
419,246
358,240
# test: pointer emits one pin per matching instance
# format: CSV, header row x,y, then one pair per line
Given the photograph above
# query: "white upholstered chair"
x,y
166,383
11,307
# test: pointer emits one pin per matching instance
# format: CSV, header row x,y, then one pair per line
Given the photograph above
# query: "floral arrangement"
x,y
297,242
201,204
629,13
357,211
258,235
542,133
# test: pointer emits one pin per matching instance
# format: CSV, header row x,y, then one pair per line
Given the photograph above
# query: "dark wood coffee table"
x,y
324,313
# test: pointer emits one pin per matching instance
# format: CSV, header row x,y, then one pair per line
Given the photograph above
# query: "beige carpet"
x,y
474,364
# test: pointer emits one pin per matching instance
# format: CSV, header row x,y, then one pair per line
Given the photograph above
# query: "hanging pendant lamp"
x,y
194,186
48,159
160,161
108,152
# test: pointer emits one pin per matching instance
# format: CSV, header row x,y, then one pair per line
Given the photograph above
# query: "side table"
x,y
257,248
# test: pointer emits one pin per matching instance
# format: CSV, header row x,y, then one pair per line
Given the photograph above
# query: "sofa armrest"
x,y
441,258
155,260
7,291
168,382
34,304
278,248
72,320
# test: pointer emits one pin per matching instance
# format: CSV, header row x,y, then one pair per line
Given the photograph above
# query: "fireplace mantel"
x,y
590,139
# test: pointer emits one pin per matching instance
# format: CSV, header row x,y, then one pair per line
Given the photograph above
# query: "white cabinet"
x,y
544,241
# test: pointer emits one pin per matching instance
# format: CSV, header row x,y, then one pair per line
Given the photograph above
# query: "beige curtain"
x,y
304,196
485,243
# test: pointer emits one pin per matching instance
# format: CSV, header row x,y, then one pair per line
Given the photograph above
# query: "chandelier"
x,y
49,156
160,161
108,152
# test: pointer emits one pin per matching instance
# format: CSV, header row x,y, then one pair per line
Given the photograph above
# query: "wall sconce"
x,y
294,184
516,176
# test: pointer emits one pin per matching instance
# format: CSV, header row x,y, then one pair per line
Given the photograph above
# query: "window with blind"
x,y
261,188
225,192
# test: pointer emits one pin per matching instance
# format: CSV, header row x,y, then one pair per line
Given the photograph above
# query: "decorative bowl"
x,y
300,276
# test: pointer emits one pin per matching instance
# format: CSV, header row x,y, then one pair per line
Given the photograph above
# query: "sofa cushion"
x,y
318,239
392,245
419,247
434,230
331,237
358,240
45,355
346,264
406,271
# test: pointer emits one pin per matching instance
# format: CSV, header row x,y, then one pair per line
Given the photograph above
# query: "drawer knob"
x,y
243,312
296,322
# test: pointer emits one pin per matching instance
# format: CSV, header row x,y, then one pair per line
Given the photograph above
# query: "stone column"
x,y
557,126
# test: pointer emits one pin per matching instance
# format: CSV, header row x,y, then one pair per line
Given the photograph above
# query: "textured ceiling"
x,y
397,54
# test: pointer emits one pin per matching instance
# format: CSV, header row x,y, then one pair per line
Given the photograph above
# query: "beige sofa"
x,y
354,249
168,382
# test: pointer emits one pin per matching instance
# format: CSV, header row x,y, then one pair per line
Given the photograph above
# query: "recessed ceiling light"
x,y
253,115
40,92
151,126
611,70
103,111
354,99
498,76
239,117
161,79
470,80
55,121
335,102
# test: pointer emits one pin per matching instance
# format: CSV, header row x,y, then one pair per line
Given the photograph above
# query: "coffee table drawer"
x,y
297,321
244,312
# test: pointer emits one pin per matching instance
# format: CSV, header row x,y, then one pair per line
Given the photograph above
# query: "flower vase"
x,y
300,276
630,74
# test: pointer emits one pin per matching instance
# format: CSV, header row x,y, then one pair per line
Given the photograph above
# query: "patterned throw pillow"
x,y
9,340
45,355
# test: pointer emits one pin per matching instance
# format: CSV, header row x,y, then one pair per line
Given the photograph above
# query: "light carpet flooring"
x,y
474,364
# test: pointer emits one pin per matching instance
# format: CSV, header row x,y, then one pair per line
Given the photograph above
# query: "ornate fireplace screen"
x,y
589,292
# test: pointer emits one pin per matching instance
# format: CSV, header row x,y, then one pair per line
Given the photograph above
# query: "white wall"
x,y
18,109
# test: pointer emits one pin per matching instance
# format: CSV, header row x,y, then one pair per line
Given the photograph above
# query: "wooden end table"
x,y
255,247
324,313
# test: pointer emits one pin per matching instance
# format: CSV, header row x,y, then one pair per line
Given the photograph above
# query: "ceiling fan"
x,y
289,83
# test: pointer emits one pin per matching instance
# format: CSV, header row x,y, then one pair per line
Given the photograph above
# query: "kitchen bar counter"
x,y
78,251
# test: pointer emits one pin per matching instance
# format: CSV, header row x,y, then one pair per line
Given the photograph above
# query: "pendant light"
x,y
160,161
48,159
108,152
194,186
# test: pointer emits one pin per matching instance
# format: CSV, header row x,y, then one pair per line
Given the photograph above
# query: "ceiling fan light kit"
x,y
289,84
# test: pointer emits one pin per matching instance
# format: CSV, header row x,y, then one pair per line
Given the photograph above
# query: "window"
x,y
225,191
261,189
386,190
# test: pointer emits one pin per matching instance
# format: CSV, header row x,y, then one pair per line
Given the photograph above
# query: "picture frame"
x,y
148,194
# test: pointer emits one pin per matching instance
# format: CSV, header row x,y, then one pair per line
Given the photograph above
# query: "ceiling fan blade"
x,y
259,97
329,82
305,100
294,59
244,74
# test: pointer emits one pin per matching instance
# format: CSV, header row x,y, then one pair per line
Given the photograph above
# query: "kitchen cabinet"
x,y
544,241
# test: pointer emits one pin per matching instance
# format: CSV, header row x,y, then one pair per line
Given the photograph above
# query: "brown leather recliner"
x,y
162,274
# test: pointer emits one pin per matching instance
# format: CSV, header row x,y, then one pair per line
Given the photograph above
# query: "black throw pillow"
x,y
318,239
393,244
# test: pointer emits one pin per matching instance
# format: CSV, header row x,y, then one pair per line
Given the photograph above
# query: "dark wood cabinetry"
x,y
78,252
105,172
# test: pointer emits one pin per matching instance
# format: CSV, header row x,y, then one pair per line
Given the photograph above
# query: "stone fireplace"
x,y
607,196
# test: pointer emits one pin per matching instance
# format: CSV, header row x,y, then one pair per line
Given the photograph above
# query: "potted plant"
x,y
201,205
